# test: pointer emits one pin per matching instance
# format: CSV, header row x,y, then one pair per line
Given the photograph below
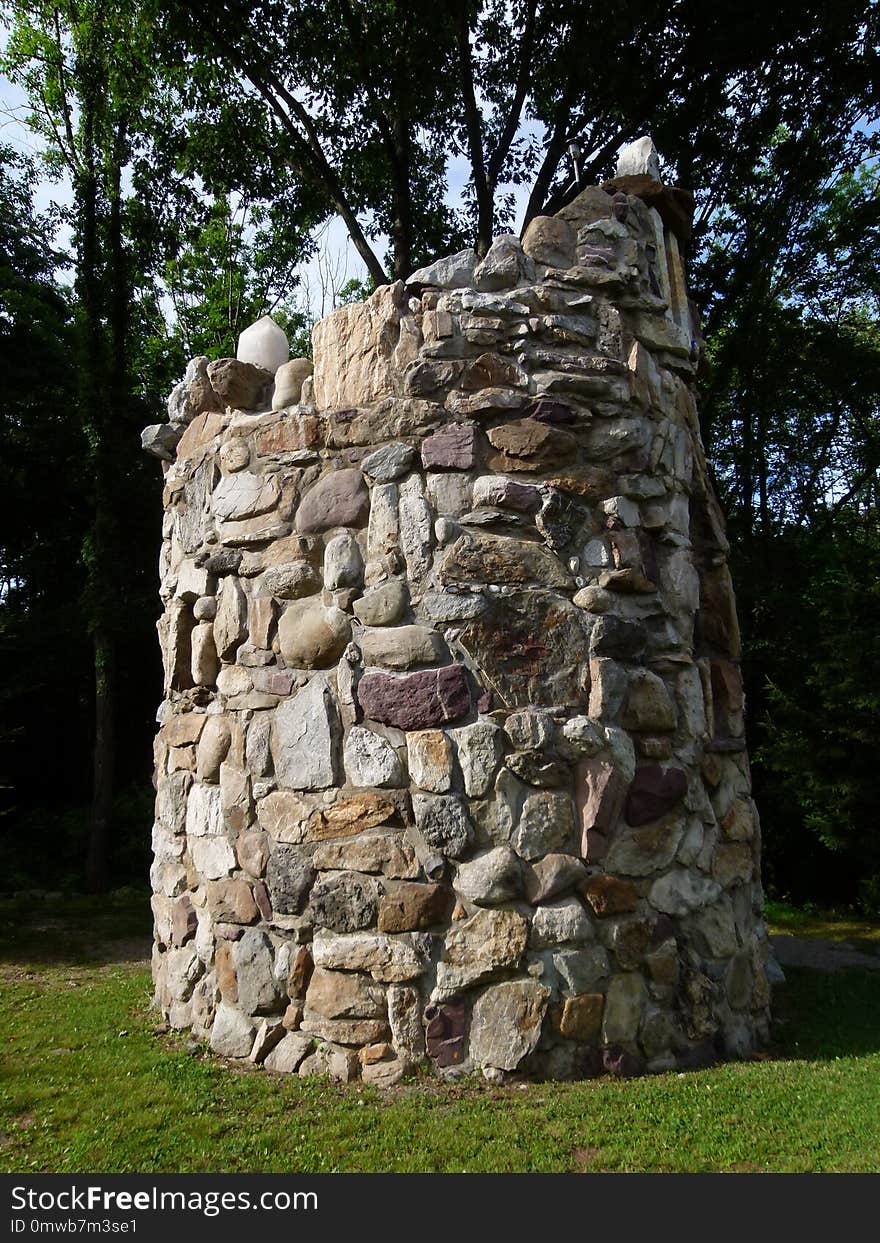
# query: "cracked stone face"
x,y
531,649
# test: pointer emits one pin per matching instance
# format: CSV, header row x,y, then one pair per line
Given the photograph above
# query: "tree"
x,y
88,80
40,510
238,266
367,102
818,658
143,234
792,415
376,81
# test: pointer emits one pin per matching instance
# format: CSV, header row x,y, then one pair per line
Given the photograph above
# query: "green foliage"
x,y
819,732
355,291
35,358
87,368
41,505
362,109
235,269
333,107
84,70
791,414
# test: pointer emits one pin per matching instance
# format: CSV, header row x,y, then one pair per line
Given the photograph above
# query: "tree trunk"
x,y
97,418
402,224
109,420
97,870
474,129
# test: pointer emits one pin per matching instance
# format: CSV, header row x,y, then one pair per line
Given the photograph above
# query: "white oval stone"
x,y
264,344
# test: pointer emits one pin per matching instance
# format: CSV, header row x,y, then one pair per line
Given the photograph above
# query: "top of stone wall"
x,y
617,243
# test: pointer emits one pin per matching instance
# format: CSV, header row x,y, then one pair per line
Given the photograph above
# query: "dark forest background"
x,y
204,146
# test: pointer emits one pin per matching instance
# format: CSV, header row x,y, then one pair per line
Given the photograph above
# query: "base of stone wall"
x,y
280,1051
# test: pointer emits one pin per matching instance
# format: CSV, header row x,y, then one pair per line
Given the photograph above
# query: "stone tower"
x,y
451,767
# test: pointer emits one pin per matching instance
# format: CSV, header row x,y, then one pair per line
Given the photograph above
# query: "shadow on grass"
x,y
41,929
822,1016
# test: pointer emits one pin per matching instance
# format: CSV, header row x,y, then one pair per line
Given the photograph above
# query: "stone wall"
x,y
451,767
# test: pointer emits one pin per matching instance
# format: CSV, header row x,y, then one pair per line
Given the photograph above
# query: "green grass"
x,y
830,925
42,928
88,1083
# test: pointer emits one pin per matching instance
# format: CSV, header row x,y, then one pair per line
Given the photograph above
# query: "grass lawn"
x,y
832,926
86,1084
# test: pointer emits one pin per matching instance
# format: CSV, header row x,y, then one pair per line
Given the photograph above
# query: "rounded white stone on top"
x,y
264,344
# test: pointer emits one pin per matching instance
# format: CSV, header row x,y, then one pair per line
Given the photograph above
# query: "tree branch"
x,y
312,162
474,130
511,126
62,86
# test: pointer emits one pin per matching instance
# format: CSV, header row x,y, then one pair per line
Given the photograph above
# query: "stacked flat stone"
x,y
451,768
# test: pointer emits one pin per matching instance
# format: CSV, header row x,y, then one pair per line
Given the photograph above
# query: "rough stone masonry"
x,y
451,769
